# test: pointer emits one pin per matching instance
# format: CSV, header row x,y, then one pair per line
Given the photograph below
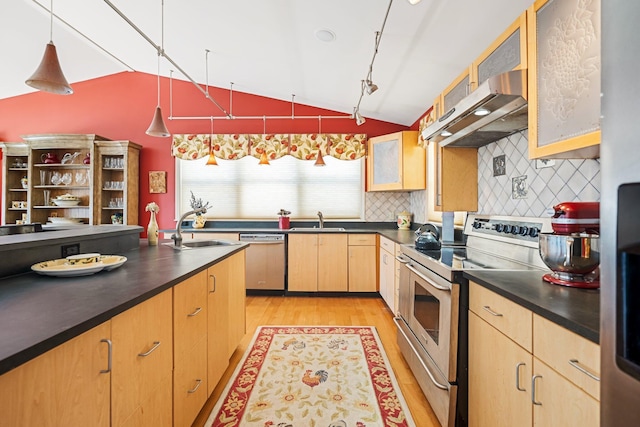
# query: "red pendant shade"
x,y
48,76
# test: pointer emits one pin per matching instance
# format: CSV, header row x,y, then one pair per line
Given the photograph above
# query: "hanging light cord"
x,y
375,53
51,23
167,57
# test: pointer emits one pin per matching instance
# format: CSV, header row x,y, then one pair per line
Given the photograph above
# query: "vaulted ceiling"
x,y
265,47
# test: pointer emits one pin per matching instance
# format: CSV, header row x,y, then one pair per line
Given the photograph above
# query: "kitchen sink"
x,y
318,230
191,244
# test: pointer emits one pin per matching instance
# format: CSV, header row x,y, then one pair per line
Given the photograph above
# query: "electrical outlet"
x,y
67,250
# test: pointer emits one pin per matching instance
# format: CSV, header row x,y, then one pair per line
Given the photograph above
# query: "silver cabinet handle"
x,y
493,313
195,313
156,344
533,389
397,321
384,259
518,376
576,364
193,390
109,356
213,276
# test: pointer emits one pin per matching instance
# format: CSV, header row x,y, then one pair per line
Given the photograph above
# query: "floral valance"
x,y
342,146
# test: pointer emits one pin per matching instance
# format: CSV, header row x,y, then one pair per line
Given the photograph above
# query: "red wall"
x,y
121,106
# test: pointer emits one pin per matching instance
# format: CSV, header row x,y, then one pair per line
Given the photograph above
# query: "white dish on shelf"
x,y
66,203
64,220
62,268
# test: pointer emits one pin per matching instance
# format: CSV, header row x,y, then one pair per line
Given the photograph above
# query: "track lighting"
x,y
370,87
48,76
359,119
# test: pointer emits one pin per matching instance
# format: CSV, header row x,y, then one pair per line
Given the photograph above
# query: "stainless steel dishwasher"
x,y
265,261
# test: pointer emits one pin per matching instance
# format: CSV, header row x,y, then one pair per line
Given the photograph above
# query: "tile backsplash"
x,y
508,184
534,190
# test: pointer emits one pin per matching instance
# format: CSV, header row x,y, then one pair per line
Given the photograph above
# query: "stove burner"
x,y
572,280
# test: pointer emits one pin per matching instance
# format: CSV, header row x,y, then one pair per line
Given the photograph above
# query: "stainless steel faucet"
x,y
321,219
177,236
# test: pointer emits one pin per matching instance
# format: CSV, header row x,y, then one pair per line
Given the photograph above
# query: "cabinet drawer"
x,y
568,353
362,239
189,314
387,244
508,317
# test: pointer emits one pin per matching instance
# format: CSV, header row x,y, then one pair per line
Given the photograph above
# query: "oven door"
x,y
433,317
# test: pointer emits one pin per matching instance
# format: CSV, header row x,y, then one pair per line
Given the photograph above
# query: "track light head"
x,y
370,86
359,119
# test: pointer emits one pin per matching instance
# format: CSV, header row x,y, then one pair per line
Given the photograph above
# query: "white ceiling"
x,y
265,47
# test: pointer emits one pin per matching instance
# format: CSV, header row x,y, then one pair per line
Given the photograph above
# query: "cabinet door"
x,y
237,299
189,348
142,359
560,403
362,269
303,262
455,175
564,79
499,378
62,387
387,278
218,323
332,263
457,90
396,162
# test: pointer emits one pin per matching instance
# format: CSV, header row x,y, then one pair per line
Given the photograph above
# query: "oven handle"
x,y
397,321
402,259
423,277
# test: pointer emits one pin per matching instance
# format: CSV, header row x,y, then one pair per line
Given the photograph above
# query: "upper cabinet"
x,y
455,178
456,91
396,162
508,52
15,180
564,78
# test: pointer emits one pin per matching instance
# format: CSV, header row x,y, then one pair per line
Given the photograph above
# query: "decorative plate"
x,y
61,268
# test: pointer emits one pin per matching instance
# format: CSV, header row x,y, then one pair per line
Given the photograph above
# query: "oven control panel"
x,y
515,229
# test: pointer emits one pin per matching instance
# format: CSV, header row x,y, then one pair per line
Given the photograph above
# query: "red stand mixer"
x,y
572,251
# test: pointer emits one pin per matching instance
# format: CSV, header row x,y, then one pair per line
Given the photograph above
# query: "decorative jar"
x,y
404,220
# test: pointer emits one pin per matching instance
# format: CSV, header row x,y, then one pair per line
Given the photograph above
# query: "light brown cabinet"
x,y
363,266
116,185
564,76
15,182
143,363
455,178
66,386
190,311
525,370
218,323
318,263
237,325
396,162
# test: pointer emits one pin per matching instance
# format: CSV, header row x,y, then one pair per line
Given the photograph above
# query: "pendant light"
x,y
157,126
264,160
48,76
212,158
319,159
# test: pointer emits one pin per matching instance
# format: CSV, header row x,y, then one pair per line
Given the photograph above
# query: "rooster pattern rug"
x,y
312,377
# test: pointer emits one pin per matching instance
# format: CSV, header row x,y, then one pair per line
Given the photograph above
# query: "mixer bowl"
x,y
577,253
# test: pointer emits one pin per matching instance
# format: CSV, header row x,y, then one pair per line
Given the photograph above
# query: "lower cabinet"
x,y
152,365
387,273
363,263
317,262
142,363
525,370
189,348
65,386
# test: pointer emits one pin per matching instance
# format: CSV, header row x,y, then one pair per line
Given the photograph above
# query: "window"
x,y
242,189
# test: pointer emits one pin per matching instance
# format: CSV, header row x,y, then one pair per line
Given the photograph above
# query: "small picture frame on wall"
x,y
157,182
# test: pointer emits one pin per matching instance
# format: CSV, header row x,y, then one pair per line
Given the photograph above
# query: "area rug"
x,y
328,376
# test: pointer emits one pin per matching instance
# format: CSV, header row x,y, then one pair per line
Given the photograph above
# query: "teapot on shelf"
x,y
49,158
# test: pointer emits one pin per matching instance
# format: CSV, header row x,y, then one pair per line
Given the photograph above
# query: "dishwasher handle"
x,y
262,239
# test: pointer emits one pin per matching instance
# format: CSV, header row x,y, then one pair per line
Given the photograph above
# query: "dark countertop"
x,y
38,312
575,309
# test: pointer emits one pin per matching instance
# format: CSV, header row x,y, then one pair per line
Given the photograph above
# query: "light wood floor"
x,y
348,311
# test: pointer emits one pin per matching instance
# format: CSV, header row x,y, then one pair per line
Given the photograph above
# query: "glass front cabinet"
x,y
70,180
396,162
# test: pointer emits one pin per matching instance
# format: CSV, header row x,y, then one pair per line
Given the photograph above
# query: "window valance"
x,y
342,146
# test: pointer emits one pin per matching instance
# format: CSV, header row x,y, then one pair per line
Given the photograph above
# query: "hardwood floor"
x,y
347,311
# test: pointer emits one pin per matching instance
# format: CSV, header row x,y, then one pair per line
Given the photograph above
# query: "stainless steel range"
x,y
432,313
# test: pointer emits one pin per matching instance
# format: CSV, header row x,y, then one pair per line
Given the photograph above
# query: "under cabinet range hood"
x,y
497,108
